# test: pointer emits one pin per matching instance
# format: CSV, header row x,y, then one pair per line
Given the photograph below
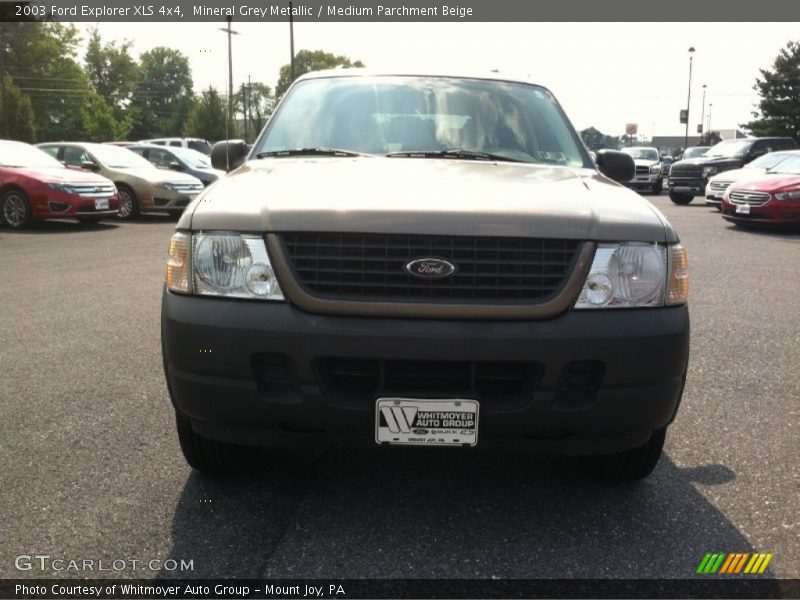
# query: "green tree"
x,y
310,60
40,57
596,140
100,124
16,113
163,97
207,117
258,102
779,108
112,71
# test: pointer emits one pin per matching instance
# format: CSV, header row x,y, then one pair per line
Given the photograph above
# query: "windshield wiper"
x,y
452,153
317,150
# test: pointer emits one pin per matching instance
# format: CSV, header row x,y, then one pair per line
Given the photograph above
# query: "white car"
x,y
648,168
193,143
761,166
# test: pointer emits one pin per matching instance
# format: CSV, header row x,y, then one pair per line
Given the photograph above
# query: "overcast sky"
x,y
604,74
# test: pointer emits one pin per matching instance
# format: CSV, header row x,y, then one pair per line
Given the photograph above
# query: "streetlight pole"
x,y
703,111
709,115
688,100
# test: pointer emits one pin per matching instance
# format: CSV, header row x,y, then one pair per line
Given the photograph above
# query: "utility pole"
x,y
291,40
702,112
244,112
230,32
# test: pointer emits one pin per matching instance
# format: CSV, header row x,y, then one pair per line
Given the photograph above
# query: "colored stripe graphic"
x,y
734,563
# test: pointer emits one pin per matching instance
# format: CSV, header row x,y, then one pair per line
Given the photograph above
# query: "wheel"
x,y
16,209
89,220
658,187
128,204
208,456
680,198
629,465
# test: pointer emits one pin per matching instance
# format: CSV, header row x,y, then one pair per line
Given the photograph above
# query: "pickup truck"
x,y
430,261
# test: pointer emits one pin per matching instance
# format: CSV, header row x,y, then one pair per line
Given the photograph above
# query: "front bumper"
x,y
772,212
60,205
213,352
644,181
688,185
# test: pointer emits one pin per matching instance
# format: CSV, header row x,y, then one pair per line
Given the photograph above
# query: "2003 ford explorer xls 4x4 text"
x,y
431,261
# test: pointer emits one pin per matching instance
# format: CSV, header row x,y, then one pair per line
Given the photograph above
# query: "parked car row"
x,y
91,182
689,177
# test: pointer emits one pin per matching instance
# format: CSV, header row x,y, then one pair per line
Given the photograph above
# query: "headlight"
x,y
60,187
166,186
233,265
655,169
790,195
708,171
634,275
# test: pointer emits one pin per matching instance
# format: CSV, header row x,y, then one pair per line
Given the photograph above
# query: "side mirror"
x,y
616,165
175,166
89,166
229,155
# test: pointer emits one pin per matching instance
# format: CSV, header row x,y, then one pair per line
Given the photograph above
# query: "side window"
x,y
75,157
52,151
176,143
158,142
159,157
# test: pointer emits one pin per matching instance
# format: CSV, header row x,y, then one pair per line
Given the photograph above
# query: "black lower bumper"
x,y
265,373
688,185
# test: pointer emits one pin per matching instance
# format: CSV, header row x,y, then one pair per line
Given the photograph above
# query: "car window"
x,y
642,153
200,145
75,157
790,166
769,160
160,158
176,143
51,150
381,115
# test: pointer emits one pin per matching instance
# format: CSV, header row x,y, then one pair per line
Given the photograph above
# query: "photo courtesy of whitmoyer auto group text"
x,y
408,299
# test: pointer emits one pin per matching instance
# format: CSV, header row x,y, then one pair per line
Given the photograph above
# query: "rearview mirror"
x,y
228,155
175,166
616,165
89,166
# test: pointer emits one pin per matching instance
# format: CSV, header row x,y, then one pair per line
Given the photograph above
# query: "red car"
x,y
35,186
773,199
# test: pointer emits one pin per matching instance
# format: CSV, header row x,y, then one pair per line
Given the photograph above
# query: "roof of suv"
x,y
362,72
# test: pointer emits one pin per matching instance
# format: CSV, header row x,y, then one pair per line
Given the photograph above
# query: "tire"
x,y
89,220
15,209
206,455
128,203
680,198
629,465
658,187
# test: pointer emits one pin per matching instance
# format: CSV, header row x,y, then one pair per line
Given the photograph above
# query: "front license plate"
x,y
101,204
742,209
426,422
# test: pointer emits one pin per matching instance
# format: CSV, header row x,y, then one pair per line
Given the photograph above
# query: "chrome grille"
x,y
751,198
186,188
720,186
642,170
369,267
93,190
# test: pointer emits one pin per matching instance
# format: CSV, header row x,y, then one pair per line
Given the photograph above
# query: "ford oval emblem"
x,y
431,268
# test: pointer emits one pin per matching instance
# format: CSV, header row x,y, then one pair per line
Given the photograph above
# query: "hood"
x,y
707,161
770,183
425,196
644,162
156,175
739,174
62,175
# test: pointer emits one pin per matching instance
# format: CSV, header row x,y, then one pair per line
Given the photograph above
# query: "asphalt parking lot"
x,y
91,468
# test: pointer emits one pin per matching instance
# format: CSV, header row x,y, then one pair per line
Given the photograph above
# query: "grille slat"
x,y
751,198
372,266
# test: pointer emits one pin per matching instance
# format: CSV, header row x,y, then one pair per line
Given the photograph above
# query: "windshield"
x,y
790,165
17,154
193,158
117,157
642,153
730,149
696,151
382,115
769,161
